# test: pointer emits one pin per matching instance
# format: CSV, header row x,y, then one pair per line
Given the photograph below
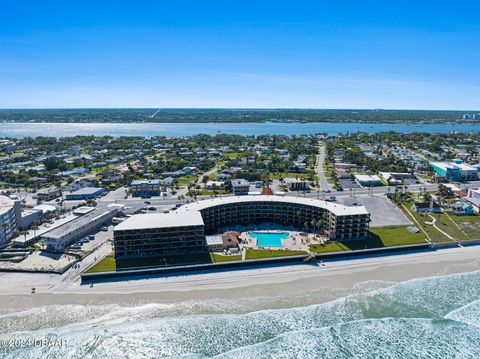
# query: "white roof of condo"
x,y
156,220
189,214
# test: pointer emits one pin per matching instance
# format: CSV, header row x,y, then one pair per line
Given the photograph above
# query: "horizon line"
x,y
236,108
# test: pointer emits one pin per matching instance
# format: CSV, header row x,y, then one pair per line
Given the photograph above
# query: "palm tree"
x,y
35,227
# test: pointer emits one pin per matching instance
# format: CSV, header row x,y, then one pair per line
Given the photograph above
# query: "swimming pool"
x,y
265,239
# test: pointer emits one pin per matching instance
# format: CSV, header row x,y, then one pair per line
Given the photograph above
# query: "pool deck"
x,y
299,241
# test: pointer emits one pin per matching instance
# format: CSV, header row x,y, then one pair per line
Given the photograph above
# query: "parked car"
x,y
104,229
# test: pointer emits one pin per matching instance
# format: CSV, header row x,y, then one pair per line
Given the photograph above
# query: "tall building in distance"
x,y
9,218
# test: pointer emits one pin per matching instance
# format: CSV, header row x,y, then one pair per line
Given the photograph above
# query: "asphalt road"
x,y
322,179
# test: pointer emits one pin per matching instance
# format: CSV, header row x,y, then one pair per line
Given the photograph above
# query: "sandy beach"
x,y
333,279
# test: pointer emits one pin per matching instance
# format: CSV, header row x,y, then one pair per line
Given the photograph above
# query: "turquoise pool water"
x,y
268,239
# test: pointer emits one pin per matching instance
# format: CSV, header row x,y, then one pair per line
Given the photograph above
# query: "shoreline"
x,y
287,285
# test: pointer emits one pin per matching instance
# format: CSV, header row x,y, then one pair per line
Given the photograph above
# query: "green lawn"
x,y
469,224
379,237
396,236
218,258
448,226
102,168
109,264
329,247
235,155
268,253
186,180
436,236
212,176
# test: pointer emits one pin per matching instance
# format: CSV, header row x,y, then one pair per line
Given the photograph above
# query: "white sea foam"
x,y
380,338
422,318
468,314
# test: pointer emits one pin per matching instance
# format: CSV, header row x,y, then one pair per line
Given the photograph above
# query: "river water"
x,y
19,130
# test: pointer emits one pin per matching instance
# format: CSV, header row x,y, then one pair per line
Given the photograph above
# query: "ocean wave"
x,y
468,314
377,338
375,314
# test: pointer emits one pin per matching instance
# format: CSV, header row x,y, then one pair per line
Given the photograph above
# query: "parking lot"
x,y
382,211
348,183
100,237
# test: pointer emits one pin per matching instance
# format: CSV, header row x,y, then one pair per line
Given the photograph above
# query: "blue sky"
x,y
257,54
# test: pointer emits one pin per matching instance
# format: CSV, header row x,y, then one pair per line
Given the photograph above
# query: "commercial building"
x,y
85,193
184,230
61,237
29,216
240,187
398,178
49,194
9,219
455,171
210,185
297,185
368,180
145,188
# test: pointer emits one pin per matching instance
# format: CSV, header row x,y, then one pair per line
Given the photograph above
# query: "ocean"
x,y
436,317
19,130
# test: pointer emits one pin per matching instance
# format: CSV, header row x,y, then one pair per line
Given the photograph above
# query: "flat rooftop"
x,y
87,190
452,166
145,182
366,178
337,209
155,220
73,225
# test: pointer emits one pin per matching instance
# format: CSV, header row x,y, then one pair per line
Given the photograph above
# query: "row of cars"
x,y
81,242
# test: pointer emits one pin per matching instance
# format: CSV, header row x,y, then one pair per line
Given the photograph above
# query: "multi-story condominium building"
x,y
10,215
240,187
145,188
184,230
